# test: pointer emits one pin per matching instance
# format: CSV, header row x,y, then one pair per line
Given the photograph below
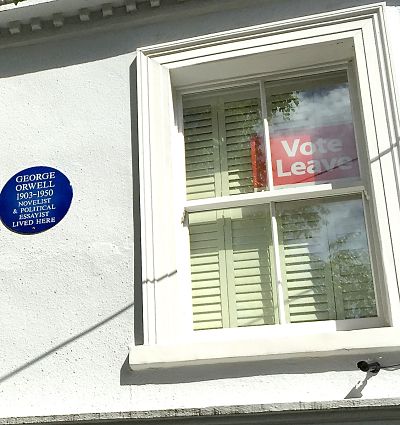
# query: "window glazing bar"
x,y
281,195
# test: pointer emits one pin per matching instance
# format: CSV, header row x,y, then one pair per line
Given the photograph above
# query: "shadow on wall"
x,y
138,311
298,370
63,344
80,43
298,366
137,256
356,391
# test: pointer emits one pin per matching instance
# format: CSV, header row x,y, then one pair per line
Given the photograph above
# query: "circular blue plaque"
x,y
35,199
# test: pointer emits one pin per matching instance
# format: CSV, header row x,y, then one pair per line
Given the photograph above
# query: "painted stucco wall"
x,y
66,295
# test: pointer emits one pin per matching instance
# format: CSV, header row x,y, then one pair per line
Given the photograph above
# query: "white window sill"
x,y
250,349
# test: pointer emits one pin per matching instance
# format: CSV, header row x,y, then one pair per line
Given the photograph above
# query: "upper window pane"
x,y
224,144
311,130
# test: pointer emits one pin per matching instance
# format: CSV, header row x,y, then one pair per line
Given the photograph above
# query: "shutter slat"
x,y
264,315
204,276
207,316
192,140
253,295
199,155
209,306
251,280
309,317
252,288
306,308
205,166
252,115
207,324
205,284
202,180
299,276
205,292
242,322
257,305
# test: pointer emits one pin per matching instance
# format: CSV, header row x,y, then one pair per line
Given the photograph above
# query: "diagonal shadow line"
x,y
158,279
384,152
64,343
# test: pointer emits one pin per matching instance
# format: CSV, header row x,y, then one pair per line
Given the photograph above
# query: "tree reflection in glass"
x,y
326,260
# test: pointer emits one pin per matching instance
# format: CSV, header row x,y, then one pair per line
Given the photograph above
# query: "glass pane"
x,y
311,130
224,145
231,268
325,260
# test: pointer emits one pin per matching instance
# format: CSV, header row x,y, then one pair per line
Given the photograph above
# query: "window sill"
x,y
320,344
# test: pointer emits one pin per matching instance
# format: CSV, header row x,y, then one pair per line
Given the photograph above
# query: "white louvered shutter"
x,y
239,121
208,271
248,246
230,249
201,152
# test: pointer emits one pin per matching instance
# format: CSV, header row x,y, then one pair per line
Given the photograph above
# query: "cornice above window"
x,y
30,16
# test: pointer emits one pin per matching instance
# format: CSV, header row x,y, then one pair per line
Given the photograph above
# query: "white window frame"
x,y
203,61
277,194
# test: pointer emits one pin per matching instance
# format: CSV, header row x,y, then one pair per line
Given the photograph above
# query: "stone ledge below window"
x,y
338,411
366,341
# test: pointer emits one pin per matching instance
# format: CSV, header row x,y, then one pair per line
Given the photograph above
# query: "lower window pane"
x,y
325,260
232,282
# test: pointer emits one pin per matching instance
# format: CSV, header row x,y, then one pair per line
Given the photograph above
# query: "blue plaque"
x,y
35,199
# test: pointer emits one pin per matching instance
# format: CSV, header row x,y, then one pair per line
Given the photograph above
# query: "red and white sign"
x,y
258,161
321,154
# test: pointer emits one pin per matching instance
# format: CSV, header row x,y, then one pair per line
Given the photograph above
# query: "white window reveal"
x,y
269,192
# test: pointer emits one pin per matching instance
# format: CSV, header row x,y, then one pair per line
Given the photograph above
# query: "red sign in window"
x,y
258,164
321,154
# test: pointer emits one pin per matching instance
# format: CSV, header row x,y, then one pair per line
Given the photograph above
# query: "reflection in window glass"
x,y
311,131
326,261
224,146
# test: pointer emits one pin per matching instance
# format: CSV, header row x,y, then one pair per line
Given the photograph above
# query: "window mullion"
x,y
223,269
227,280
267,145
223,151
277,266
274,225
229,290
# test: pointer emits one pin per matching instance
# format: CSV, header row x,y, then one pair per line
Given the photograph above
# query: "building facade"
x,y
230,250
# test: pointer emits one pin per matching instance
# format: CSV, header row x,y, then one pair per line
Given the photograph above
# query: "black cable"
x,y
388,367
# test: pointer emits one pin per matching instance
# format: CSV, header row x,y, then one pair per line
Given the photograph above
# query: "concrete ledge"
x,y
360,411
265,347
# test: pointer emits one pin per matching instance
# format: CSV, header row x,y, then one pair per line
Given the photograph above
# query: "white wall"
x,y
66,295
